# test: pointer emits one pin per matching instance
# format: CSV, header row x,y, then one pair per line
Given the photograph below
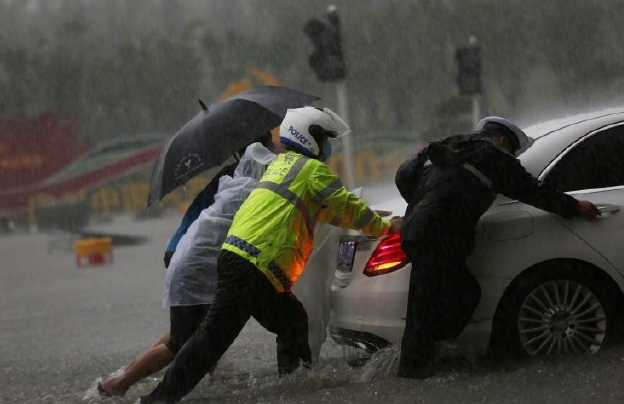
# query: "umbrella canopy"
x,y
216,133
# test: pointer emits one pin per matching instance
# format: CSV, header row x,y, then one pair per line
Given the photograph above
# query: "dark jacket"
x,y
445,199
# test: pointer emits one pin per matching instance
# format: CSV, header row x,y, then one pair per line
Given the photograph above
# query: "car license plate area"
x,y
346,254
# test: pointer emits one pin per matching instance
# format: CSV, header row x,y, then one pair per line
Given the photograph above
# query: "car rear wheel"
x,y
555,311
561,316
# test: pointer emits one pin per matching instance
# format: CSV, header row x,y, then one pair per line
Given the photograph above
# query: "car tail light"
x,y
387,257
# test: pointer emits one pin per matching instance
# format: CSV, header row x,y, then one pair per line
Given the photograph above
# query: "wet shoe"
x,y
102,391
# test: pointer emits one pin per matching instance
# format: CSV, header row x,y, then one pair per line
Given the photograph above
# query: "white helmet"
x,y
523,140
295,128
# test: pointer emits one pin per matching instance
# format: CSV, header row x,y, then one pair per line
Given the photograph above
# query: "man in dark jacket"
x,y
448,186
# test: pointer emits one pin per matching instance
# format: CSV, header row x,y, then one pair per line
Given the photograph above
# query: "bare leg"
x,y
149,363
161,340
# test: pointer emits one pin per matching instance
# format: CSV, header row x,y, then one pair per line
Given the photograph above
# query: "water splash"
x,y
338,368
92,394
450,359
382,364
228,384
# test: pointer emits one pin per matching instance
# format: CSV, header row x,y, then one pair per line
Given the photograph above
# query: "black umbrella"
x,y
217,132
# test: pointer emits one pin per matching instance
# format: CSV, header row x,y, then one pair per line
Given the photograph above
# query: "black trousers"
x,y
442,297
242,291
183,321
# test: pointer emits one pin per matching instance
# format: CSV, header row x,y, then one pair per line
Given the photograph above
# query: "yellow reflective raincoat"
x,y
274,228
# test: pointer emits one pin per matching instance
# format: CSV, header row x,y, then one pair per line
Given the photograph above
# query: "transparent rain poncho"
x,y
192,274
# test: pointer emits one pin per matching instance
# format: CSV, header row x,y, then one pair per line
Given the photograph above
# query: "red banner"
x,y
32,150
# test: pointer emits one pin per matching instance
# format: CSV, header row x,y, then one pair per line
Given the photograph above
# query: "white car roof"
x,y
554,136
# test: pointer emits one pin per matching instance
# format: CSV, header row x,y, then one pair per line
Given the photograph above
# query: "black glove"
x,y
167,258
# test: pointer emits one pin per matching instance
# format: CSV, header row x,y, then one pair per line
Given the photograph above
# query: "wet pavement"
x,y
62,327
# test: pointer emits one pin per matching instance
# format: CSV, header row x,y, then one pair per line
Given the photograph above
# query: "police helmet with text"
x,y
305,129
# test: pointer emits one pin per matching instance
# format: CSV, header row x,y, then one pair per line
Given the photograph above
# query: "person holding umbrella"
x,y
191,276
266,250
213,136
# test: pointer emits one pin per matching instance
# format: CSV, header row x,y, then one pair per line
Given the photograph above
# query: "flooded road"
x,y
62,327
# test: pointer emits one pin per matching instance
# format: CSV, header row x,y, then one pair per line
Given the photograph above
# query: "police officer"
x,y
448,186
266,249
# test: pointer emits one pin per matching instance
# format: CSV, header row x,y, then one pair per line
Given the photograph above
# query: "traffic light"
x,y
469,70
326,60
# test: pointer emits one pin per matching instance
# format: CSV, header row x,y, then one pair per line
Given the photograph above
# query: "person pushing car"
x,y
448,186
266,249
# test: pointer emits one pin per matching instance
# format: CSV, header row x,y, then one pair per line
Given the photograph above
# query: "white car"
x,y
549,285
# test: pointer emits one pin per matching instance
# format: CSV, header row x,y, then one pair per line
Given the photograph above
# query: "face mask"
x,y
326,151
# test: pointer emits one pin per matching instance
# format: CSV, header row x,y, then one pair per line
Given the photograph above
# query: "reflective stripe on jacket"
x,y
274,228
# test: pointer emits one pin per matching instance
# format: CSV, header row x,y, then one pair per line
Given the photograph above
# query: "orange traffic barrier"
x,y
94,251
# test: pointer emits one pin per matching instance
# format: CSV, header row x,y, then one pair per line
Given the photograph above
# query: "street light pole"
x,y
476,101
476,110
328,63
347,140
469,75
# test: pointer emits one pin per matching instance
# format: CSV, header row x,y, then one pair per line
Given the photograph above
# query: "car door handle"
x,y
608,208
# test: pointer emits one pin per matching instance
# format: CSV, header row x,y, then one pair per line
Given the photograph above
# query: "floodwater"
x,y
62,327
